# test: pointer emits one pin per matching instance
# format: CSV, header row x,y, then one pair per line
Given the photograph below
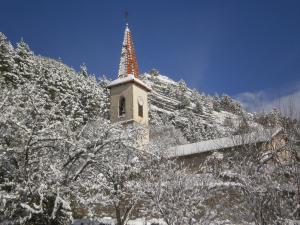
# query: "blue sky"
x,y
246,49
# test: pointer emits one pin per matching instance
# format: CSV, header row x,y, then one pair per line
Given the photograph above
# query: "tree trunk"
x,y
118,215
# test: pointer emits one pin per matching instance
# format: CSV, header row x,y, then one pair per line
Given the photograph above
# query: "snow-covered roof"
x,y
223,143
128,79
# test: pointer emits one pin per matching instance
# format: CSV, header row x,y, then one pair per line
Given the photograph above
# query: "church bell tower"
x,y
128,94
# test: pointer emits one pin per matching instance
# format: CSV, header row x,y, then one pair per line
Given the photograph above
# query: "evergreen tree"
x,y
6,61
154,72
216,103
83,70
198,107
184,101
228,104
25,61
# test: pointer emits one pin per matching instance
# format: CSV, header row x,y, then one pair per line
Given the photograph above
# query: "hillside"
x,y
55,84
196,115
172,104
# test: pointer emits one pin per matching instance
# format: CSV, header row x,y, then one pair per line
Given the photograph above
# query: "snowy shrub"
x,y
173,194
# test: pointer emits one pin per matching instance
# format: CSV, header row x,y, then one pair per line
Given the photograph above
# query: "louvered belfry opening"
x,y
128,64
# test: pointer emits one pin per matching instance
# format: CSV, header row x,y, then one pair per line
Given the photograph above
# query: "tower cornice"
x,y
129,79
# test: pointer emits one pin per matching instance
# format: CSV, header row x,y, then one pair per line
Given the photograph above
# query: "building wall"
x,y
139,92
125,90
131,92
193,162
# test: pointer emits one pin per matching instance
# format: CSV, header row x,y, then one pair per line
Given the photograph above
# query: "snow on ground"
x,y
110,221
162,78
142,221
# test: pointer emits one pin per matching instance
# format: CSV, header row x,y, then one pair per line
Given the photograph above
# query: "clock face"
x,y
140,100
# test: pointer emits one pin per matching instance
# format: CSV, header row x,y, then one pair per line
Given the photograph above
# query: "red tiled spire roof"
x,y
128,63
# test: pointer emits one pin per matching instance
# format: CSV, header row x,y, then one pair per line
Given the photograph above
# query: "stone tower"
x,y
128,94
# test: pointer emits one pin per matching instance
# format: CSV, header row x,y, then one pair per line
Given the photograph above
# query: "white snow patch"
x,y
222,143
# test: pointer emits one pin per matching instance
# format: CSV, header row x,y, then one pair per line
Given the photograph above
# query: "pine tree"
x,y
154,72
24,59
184,101
216,103
198,107
228,104
83,70
6,61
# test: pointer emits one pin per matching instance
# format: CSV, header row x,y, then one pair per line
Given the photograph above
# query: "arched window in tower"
x,y
140,106
122,110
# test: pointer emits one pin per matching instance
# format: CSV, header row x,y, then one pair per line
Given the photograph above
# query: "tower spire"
x,y
128,63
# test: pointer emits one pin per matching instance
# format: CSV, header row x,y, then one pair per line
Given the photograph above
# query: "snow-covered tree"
x,y
154,72
112,173
7,77
228,104
40,127
31,184
83,70
25,61
174,194
216,103
184,101
269,119
43,156
256,182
